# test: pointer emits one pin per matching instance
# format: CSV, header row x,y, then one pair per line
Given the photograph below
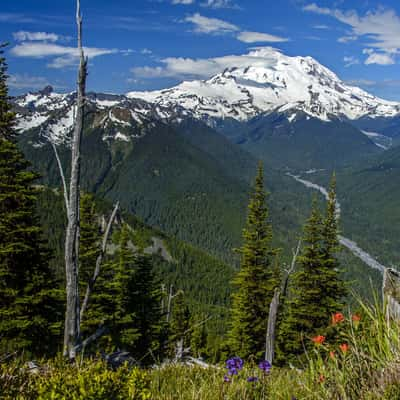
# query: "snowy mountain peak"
x,y
266,80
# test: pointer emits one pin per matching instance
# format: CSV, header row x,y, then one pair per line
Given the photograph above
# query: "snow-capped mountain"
x,y
266,80
119,117
263,82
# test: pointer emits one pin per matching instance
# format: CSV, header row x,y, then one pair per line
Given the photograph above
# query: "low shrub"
x,y
57,380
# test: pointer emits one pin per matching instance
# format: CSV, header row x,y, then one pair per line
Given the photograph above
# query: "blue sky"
x,y
151,44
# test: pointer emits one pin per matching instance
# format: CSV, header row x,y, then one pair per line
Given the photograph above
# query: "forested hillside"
x,y
213,240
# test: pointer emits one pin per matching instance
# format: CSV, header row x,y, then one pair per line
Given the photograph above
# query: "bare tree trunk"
x,y
274,308
64,183
72,322
99,261
272,316
170,297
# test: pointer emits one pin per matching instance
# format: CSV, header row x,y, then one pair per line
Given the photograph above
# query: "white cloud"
x,y
183,1
378,58
25,81
219,4
34,36
16,18
254,37
380,27
350,60
65,56
203,68
213,26
321,27
347,39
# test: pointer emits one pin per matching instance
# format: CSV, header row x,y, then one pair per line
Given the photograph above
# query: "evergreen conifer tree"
x,y
146,294
316,288
256,280
335,289
180,323
28,299
124,330
198,339
89,240
306,315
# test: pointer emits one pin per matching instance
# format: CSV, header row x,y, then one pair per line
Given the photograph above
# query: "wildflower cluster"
x,y
235,364
338,319
337,346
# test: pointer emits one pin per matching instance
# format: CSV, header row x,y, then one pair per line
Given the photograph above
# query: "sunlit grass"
x,y
361,360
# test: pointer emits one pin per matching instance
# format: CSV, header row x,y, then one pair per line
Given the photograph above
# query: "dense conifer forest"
x,y
232,293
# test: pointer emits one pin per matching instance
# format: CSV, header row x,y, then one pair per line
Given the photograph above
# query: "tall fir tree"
x,y
335,288
198,338
102,298
146,293
28,299
124,331
306,315
90,240
180,323
317,289
256,280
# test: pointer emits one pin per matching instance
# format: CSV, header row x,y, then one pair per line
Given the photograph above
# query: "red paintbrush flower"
x,y
337,318
318,339
344,347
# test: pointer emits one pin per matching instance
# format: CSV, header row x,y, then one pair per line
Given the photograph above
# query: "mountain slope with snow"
x,y
121,118
266,80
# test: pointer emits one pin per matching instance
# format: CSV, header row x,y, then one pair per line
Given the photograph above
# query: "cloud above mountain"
x,y
44,45
379,29
215,26
210,25
258,37
183,68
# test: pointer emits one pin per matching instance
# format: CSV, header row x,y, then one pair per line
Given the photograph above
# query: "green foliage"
x,y
305,143
7,117
89,240
28,302
316,291
305,313
180,322
124,331
334,287
368,369
126,299
91,380
145,291
256,281
198,339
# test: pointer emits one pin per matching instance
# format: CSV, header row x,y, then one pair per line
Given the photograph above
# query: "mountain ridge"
x,y
265,81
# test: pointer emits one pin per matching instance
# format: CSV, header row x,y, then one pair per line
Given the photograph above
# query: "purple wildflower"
x,y
232,371
234,363
227,379
252,379
265,366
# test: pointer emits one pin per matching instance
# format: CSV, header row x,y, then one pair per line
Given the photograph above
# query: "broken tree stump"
x,y
391,293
